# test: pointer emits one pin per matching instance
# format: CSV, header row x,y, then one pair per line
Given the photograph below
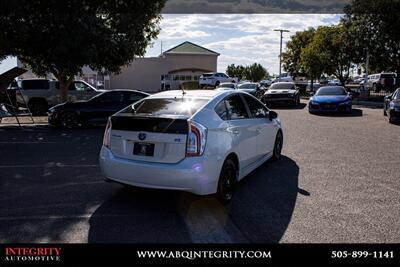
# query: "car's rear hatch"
x,y
154,130
149,139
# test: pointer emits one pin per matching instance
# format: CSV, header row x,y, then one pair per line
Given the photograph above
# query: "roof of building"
x,y
190,48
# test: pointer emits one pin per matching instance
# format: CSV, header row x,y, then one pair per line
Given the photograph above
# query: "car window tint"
x,y
35,85
81,86
257,110
236,108
110,97
220,109
133,97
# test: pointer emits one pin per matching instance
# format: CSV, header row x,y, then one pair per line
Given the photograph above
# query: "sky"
x,y
241,39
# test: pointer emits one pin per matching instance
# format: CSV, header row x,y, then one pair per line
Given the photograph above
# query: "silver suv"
x,y
40,94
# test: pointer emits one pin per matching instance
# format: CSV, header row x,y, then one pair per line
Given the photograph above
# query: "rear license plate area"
x,y
143,149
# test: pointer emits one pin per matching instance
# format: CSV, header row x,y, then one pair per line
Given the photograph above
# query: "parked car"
x,y
227,86
94,111
40,94
214,79
335,82
382,81
333,99
282,93
249,87
316,86
265,83
202,141
392,106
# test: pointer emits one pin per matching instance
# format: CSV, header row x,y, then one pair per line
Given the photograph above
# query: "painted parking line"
x,y
51,166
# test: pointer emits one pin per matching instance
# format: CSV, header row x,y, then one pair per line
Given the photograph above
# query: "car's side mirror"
x,y
272,115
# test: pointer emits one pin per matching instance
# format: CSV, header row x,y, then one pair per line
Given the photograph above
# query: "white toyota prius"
x,y
202,141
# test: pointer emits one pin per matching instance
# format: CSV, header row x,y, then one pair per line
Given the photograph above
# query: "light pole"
x,y
280,53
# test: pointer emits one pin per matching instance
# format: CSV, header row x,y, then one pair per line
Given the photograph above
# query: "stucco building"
x,y
182,63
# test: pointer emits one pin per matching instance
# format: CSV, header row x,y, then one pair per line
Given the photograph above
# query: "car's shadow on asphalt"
x,y
354,113
260,212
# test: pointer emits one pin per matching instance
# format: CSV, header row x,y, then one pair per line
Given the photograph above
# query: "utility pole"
x,y
280,53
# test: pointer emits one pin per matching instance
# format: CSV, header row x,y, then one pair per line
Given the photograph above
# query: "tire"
x,y
297,101
69,120
390,118
278,146
216,84
227,182
38,107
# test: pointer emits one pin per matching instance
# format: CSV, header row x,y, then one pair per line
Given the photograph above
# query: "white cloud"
x,y
239,38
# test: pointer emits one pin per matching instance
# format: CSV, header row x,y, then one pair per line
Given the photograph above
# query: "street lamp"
x,y
280,53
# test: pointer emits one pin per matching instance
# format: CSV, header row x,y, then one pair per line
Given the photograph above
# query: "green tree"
x,y
255,72
61,37
312,64
291,58
235,71
375,27
332,48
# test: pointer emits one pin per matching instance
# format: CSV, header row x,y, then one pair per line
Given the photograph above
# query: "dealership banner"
x,y
200,254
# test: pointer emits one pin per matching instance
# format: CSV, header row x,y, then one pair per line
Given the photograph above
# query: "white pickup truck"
x,y
41,94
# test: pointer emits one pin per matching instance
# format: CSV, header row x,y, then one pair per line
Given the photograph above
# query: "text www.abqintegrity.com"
x,y
203,254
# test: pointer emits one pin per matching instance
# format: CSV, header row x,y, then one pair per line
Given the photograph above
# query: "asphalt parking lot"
x,y
338,181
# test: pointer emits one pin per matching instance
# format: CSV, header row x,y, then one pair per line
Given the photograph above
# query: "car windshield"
x,y
281,86
166,107
331,91
397,96
248,86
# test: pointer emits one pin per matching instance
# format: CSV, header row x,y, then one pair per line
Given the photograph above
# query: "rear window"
x,y
167,107
331,91
34,84
388,75
248,86
287,86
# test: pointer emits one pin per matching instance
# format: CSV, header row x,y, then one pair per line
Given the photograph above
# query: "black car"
x,y
391,107
94,111
282,93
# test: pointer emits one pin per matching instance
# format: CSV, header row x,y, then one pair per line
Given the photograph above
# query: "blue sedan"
x,y
330,99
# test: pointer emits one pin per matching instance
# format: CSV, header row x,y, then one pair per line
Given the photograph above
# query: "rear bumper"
x,y
195,175
53,118
284,100
319,108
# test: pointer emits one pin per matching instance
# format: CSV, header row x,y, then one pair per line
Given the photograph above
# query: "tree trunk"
x,y
312,84
64,84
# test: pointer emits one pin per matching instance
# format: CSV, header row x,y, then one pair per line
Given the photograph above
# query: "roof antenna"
x,y
183,90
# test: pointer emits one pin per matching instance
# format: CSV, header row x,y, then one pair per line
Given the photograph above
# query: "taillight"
x,y
107,135
196,141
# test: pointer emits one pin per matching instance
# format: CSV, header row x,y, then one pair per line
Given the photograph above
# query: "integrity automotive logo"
x,y
31,254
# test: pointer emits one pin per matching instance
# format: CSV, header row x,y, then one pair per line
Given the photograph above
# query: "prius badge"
x,y
142,136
